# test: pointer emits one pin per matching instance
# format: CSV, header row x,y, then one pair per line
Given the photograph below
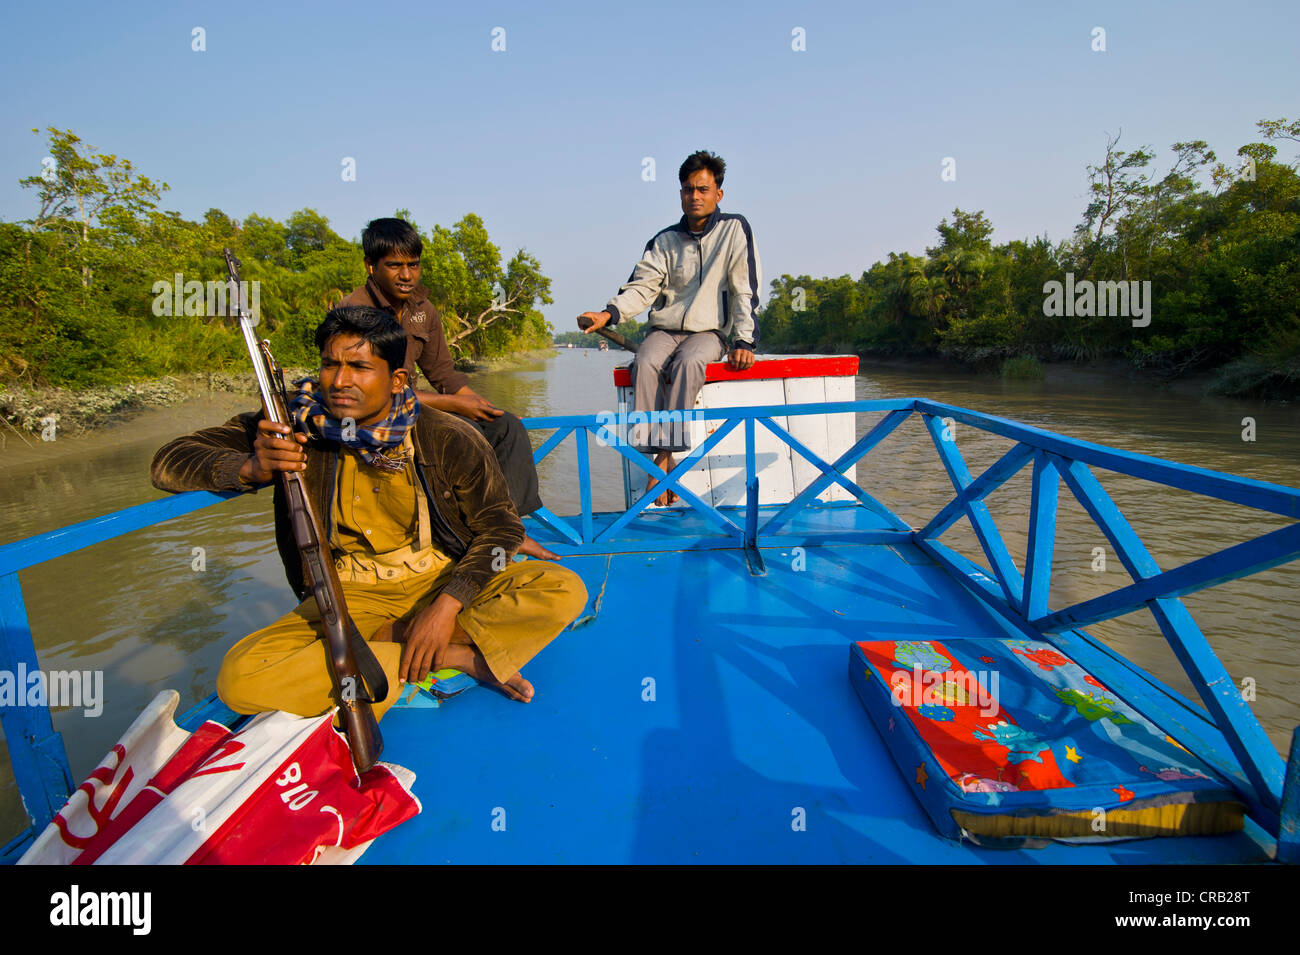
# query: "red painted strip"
x,y
832,365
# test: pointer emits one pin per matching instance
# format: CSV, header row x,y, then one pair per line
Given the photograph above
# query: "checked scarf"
x,y
375,443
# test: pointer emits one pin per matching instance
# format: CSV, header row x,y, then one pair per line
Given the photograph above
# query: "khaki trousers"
x,y
286,666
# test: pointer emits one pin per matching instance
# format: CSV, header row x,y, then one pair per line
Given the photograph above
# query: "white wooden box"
x,y
782,473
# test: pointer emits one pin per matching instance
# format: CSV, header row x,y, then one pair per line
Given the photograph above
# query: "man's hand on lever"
x,y
276,449
594,320
741,359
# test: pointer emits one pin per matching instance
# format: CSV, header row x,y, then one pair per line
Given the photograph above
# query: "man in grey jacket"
x,y
700,277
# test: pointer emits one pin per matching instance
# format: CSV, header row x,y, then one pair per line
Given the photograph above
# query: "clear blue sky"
x,y
833,152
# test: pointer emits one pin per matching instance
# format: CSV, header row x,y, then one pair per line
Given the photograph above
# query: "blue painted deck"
x,y
753,716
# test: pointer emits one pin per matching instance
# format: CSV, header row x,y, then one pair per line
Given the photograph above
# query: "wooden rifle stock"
x,y
359,680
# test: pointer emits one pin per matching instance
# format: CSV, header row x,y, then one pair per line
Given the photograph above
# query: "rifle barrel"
x,y
359,721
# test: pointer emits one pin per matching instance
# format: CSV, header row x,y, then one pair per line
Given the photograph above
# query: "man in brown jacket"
x,y
418,517
392,251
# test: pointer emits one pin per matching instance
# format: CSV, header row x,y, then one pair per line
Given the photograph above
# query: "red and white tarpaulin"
x,y
281,791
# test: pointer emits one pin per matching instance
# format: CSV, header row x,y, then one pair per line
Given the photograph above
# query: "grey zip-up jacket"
x,y
697,285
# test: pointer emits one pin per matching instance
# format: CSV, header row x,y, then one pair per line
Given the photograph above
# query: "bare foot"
x,y
517,688
468,659
665,460
531,548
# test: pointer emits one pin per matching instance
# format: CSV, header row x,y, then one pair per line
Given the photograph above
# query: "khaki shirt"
x,y
381,528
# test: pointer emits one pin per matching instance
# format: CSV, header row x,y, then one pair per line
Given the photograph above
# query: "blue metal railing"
x,y
40,762
585,539
1021,600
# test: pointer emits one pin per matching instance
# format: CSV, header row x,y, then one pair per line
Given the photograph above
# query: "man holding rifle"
x,y
418,517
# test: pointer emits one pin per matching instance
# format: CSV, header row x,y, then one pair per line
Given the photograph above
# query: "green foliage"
x,y
80,184
487,309
1024,368
1222,259
577,339
984,337
77,282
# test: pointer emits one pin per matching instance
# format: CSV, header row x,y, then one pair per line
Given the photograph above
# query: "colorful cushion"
x,y
1010,743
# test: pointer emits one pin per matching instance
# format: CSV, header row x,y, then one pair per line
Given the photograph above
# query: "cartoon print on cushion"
x,y
1090,679
954,695
1090,707
970,783
1169,774
1145,751
1021,744
909,655
1045,658
940,714
947,694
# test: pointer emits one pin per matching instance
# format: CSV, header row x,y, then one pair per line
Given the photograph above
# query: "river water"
x,y
158,608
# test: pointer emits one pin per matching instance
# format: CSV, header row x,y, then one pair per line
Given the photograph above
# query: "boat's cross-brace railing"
x,y
1022,599
585,538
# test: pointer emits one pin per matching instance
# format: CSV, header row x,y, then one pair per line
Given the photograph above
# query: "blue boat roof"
x,y
752,718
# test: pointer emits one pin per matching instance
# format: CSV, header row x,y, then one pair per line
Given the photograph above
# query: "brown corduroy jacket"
x,y
474,522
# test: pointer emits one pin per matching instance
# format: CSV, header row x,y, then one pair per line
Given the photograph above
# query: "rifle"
x,y
359,680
